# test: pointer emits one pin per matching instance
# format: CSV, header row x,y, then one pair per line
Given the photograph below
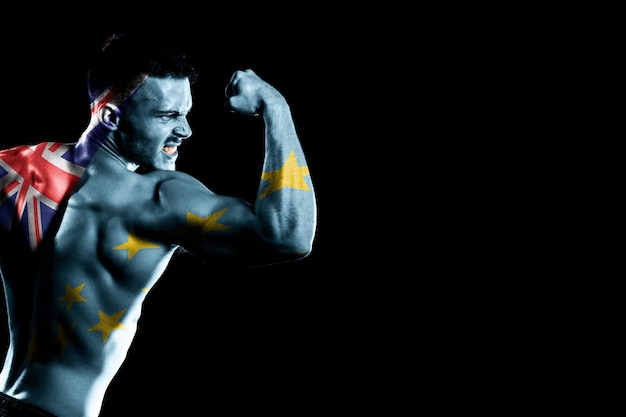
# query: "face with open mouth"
x,y
154,123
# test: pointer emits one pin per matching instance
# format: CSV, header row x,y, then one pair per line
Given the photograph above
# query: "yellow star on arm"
x,y
134,244
107,324
290,175
72,295
65,336
208,223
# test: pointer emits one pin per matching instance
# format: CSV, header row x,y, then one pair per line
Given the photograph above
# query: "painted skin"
x,y
121,228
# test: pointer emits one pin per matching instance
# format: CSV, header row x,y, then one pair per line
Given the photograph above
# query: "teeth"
x,y
170,150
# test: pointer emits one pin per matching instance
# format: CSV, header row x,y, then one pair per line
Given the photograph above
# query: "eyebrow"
x,y
176,112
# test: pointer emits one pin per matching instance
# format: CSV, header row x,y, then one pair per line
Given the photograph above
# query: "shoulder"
x,y
175,183
178,191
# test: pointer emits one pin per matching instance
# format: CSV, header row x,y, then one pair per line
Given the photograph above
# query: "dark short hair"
x,y
125,57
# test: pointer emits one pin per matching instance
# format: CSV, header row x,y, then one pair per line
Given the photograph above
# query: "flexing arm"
x,y
280,225
285,204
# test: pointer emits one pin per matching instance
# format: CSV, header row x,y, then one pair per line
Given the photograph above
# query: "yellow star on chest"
x,y
134,244
289,175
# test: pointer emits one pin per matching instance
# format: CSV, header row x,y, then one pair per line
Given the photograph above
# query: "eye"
x,y
174,115
171,115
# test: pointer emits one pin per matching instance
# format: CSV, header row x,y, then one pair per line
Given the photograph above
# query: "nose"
x,y
183,129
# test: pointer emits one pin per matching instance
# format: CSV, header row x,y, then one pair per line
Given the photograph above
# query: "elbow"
x,y
303,251
289,240
294,245
299,247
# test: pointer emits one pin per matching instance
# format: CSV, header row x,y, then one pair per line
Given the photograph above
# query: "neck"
x,y
97,137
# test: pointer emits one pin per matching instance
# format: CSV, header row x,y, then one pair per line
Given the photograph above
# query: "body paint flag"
x,y
34,182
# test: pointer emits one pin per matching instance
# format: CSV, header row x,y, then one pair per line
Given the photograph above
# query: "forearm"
x,y
286,202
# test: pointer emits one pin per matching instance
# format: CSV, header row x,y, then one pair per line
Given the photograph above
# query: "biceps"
x,y
226,230
221,229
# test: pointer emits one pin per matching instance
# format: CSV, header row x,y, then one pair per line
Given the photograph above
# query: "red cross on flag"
x,y
34,181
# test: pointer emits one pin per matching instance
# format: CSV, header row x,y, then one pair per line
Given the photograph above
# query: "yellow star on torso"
x,y
72,295
134,244
108,324
32,349
290,175
65,336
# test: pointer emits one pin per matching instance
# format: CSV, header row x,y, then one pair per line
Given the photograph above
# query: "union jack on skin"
x,y
34,181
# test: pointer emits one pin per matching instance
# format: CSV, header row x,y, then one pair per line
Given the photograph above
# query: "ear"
x,y
109,116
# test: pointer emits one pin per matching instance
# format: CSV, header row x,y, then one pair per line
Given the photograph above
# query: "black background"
x,y
406,117
281,339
